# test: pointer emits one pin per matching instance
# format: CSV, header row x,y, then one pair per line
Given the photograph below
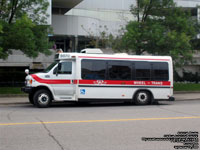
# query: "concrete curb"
x,y
13,95
185,92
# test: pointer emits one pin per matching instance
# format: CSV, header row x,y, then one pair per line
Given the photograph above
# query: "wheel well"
x,y
152,97
42,87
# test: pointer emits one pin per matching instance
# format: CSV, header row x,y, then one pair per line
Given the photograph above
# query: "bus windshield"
x,y
50,67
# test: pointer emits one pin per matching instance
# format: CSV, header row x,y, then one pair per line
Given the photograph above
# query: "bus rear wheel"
x,y
42,98
142,98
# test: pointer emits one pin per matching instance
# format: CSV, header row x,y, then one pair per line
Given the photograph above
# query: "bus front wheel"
x,y
30,97
42,98
142,98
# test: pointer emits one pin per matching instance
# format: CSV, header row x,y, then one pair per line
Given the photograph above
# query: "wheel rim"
x,y
43,98
142,97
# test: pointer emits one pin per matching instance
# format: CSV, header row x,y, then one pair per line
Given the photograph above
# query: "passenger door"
x,y
64,74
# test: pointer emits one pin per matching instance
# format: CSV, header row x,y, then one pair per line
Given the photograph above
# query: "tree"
x,y
160,28
0,38
22,27
100,39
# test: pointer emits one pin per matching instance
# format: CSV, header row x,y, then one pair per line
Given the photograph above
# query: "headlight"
x,y
29,81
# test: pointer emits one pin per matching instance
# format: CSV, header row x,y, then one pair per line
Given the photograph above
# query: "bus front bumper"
x,y
27,89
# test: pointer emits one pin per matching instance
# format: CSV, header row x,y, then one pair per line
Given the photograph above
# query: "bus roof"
x,y
63,56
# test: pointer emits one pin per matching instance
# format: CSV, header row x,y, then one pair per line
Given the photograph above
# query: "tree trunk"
x,y
13,10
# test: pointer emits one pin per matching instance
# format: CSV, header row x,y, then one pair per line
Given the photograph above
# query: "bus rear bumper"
x,y
171,98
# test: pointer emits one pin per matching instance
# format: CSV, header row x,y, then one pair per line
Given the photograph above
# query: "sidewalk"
x,y
23,99
187,96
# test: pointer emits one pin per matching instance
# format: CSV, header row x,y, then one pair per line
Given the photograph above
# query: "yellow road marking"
x,y
90,121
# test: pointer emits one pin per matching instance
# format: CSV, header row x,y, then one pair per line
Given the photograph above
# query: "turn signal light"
x,y
30,81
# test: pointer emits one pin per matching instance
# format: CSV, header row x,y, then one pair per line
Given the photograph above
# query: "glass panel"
x,y
160,71
50,67
142,70
93,69
66,68
119,70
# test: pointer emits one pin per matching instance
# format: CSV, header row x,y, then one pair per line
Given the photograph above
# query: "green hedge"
x,y
186,87
11,90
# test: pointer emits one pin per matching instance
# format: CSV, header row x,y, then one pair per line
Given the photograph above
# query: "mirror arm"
x,y
57,73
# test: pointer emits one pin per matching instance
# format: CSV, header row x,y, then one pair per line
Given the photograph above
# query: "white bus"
x,y
99,77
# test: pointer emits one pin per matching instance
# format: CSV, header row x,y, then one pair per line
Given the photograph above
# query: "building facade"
x,y
73,28
90,17
75,22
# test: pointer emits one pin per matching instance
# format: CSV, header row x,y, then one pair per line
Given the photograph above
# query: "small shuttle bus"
x,y
84,76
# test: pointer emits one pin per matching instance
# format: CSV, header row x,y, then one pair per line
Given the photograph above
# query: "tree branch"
x,y
138,10
13,11
1,7
146,13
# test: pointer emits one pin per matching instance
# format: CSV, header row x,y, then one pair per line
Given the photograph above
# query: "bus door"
x,y
64,74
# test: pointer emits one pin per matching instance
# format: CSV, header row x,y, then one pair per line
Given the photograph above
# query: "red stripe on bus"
x,y
124,58
124,82
50,81
101,82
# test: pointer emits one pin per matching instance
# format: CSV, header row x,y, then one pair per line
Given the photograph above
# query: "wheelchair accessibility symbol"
x,y
82,91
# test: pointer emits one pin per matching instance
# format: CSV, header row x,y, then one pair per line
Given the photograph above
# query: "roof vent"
x,y
92,51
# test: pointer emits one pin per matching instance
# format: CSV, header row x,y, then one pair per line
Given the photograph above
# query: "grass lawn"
x,y
11,90
186,87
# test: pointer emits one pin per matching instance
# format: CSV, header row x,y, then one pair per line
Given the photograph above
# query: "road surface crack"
x,y
51,135
9,115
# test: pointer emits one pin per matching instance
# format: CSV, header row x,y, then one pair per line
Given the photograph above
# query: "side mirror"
x,y
27,71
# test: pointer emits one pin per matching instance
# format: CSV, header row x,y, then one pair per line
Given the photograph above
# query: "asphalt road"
x,y
96,126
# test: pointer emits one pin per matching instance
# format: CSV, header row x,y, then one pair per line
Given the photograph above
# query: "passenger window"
x,y
142,71
119,70
66,68
93,69
160,71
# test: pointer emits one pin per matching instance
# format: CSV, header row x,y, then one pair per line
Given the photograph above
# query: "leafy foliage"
x,y
160,28
22,27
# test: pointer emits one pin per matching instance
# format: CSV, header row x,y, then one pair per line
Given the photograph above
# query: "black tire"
x,y
42,98
142,98
30,97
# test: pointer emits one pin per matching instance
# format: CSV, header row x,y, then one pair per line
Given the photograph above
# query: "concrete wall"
x,y
82,26
91,14
19,59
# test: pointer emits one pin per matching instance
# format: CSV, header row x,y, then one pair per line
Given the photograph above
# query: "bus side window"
x,y
93,69
119,70
142,70
160,71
